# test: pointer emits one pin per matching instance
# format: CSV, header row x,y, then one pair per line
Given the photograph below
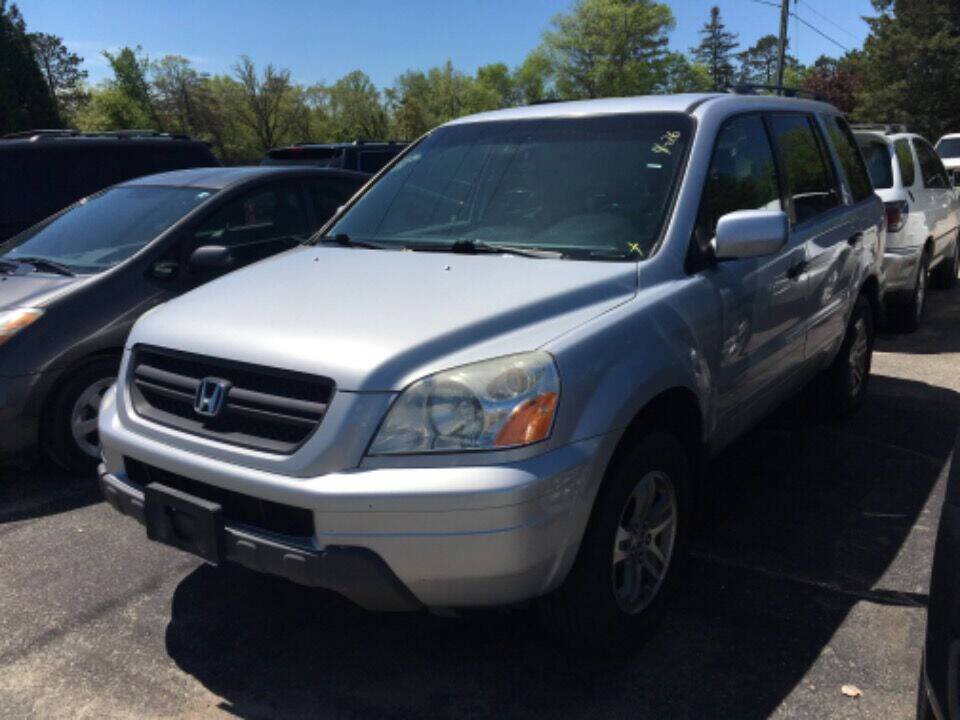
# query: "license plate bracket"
x,y
184,521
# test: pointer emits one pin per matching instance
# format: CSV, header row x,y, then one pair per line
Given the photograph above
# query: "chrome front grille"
x,y
263,408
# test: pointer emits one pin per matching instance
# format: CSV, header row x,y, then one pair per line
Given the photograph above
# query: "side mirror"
x,y
750,233
211,257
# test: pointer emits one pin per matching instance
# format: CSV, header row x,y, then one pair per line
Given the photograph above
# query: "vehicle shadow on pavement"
x,y
937,331
804,520
31,488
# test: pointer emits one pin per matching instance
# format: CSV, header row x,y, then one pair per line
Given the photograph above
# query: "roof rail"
x,y
51,132
35,135
885,128
781,90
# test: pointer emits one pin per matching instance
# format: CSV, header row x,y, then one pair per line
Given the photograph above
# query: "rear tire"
x,y
73,443
912,312
631,554
944,276
843,385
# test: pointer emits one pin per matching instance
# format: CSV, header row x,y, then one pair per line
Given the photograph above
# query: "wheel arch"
x,y
52,392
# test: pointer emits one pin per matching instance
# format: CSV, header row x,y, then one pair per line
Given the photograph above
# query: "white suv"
x,y
948,148
923,215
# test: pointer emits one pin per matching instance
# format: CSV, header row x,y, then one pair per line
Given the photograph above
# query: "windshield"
x,y
949,148
107,228
597,187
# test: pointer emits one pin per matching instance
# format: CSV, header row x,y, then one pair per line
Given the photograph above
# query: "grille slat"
x,y
277,416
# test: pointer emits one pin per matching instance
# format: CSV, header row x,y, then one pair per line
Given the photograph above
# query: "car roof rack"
x,y
885,128
781,90
359,141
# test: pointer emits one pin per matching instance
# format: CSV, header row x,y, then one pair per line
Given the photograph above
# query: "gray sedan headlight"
x,y
507,402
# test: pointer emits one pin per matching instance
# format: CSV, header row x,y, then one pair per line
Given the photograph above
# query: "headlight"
x,y
13,321
507,402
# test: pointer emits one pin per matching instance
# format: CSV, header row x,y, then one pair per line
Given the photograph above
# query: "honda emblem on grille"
x,y
211,393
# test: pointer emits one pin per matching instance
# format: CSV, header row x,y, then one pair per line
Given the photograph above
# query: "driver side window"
x,y
742,176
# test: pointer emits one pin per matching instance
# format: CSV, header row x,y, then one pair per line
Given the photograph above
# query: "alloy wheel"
x,y
644,543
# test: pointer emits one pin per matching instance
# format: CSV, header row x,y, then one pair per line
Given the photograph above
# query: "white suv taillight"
x,y
896,214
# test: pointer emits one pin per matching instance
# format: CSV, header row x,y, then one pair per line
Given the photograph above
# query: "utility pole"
x,y
784,14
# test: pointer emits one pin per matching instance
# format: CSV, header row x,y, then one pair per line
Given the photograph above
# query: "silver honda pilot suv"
x,y
495,375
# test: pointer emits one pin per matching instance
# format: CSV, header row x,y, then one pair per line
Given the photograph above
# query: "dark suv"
x,y
42,171
364,155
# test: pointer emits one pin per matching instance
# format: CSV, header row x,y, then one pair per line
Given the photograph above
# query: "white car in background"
x,y
948,148
923,217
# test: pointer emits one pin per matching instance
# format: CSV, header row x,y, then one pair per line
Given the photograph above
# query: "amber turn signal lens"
x,y
528,423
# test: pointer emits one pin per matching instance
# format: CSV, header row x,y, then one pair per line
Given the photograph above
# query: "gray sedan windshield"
x,y
591,188
107,228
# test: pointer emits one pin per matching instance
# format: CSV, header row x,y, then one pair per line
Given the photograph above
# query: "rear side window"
x,y
931,169
742,174
877,154
811,187
850,159
905,159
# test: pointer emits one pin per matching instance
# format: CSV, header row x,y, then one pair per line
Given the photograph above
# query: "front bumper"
x,y
356,573
452,536
900,270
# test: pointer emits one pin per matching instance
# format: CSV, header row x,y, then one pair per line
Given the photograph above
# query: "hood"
x,y
33,290
375,320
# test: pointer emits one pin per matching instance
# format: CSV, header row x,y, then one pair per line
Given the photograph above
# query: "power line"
x,y
812,27
823,17
820,32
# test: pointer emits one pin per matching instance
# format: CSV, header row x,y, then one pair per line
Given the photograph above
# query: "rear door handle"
x,y
855,238
796,270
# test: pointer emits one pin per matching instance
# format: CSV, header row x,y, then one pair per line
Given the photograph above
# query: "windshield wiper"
x,y
482,246
345,240
44,264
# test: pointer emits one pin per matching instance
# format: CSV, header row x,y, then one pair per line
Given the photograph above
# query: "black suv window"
x,y
877,154
742,174
850,159
372,160
260,223
328,194
811,186
931,168
905,158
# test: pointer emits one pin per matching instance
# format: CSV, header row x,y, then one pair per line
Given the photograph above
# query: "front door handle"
x,y
796,270
855,238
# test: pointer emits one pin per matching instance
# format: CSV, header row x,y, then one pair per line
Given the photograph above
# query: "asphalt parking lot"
x,y
810,572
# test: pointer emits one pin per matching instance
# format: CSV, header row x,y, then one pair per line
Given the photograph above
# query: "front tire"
x,y
73,442
629,560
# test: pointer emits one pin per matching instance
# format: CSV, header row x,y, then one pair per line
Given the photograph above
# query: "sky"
x,y
322,40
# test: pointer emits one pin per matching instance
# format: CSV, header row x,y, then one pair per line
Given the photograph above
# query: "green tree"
x,y
25,100
497,81
62,70
681,75
716,50
354,110
273,108
420,101
758,64
609,47
131,83
533,79
911,62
